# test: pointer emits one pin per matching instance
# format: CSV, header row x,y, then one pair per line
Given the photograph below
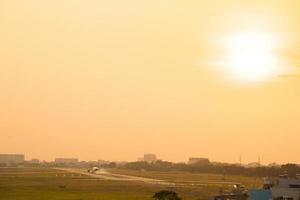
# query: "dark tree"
x,y
166,195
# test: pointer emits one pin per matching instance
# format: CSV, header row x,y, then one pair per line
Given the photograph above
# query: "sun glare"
x,y
251,57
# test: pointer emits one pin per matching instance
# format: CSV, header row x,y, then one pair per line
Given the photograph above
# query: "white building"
x,y
286,188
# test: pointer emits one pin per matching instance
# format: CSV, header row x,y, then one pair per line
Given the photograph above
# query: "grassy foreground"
x,y
51,184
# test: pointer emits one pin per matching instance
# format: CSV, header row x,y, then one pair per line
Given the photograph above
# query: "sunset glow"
x,y
251,57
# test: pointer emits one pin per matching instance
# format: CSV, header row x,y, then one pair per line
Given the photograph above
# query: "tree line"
x,y
219,168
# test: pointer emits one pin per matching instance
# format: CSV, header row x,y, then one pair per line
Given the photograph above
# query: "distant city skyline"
x,y
148,157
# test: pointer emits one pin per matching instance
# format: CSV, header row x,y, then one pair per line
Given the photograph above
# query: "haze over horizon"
x,y
116,79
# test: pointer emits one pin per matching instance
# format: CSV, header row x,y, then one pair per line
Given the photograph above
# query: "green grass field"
x,y
51,184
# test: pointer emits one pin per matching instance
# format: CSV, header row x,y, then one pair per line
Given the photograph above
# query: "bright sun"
x,y
251,57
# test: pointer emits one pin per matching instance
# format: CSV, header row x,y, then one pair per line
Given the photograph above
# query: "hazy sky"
x,y
115,79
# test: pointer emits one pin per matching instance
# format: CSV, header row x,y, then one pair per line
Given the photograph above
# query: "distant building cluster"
x,y
33,161
66,160
148,158
284,188
195,160
15,160
12,158
253,165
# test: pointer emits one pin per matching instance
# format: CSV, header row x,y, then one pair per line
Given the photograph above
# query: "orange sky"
x,y
115,79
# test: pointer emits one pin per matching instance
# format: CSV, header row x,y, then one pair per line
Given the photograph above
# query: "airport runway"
x,y
105,175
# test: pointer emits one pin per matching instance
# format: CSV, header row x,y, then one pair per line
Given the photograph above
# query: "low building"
x,y
273,164
253,165
148,158
103,162
195,160
33,161
286,188
12,158
66,160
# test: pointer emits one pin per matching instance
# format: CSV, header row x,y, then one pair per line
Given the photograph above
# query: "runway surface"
x,y
105,175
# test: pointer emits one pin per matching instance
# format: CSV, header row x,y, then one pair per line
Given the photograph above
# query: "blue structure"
x,y
260,195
